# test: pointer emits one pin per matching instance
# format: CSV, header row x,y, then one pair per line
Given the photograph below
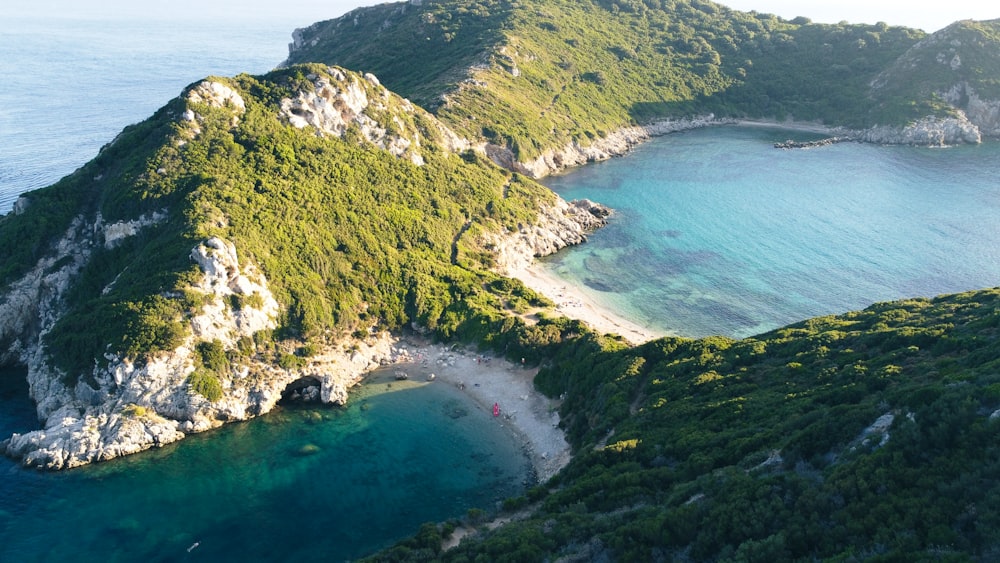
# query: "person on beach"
x,y
496,409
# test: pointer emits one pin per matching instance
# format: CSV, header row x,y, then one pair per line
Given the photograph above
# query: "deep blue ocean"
x,y
718,232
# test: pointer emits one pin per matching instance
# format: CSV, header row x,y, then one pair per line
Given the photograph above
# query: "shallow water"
x,y
302,483
717,232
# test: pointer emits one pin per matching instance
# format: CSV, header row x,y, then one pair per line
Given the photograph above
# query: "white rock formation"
x,y
340,100
929,131
560,224
129,407
214,94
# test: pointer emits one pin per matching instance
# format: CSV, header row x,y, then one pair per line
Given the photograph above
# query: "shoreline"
x,y
485,380
803,126
573,303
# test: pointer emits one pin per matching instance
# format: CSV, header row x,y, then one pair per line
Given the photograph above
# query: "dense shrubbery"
x,y
762,449
532,74
349,237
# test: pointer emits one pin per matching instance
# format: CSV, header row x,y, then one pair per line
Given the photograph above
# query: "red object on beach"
x,y
496,409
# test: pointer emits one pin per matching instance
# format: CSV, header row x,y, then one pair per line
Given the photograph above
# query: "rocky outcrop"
x,y
339,101
929,131
952,65
560,224
212,94
983,113
124,407
575,154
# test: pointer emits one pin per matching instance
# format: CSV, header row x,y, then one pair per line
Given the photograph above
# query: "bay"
x,y
718,232
300,484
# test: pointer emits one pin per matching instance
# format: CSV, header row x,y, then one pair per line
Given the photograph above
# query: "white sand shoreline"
x,y
789,125
572,302
533,417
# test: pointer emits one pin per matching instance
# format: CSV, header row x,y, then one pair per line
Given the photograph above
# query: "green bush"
x,y
206,384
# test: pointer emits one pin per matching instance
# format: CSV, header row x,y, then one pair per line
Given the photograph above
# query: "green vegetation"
x,y
961,58
348,236
761,449
532,74
764,449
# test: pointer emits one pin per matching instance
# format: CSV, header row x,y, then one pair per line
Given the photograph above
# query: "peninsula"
x,y
261,235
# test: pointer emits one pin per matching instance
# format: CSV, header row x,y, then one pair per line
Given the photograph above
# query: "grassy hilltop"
x,y
348,236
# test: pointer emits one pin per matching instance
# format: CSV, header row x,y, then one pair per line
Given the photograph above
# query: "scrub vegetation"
x,y
871,435
865,436
532,75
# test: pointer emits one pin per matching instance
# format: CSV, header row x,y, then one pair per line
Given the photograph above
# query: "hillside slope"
x,y
256,235
955,70
865,436
537,78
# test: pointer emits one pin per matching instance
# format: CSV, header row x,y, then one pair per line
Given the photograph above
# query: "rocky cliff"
x,y
614,144
560,224
128,407
125,406
950,76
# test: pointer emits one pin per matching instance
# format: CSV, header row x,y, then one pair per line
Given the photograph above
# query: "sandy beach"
x,y
575,304
488,380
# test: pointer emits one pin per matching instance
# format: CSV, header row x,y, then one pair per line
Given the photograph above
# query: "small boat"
x,y
401,375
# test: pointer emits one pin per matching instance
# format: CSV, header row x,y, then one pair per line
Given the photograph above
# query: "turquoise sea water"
x,y
717,232
300,484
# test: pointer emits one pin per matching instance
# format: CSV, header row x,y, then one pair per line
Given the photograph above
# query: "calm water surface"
x,y
717,232
300,484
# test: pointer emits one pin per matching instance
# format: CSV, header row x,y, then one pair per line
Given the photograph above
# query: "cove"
x,y
718,232
301,483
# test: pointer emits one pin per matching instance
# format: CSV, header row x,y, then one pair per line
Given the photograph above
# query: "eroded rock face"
x,y
213,94
339,101
125,407
560,224
930,131
983,113
574,154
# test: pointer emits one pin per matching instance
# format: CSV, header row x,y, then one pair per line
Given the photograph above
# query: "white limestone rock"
x,y
126,407
560,224
339,101
614,144
929,131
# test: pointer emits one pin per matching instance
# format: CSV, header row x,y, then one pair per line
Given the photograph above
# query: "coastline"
x,y
486,380
803,126
572,302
